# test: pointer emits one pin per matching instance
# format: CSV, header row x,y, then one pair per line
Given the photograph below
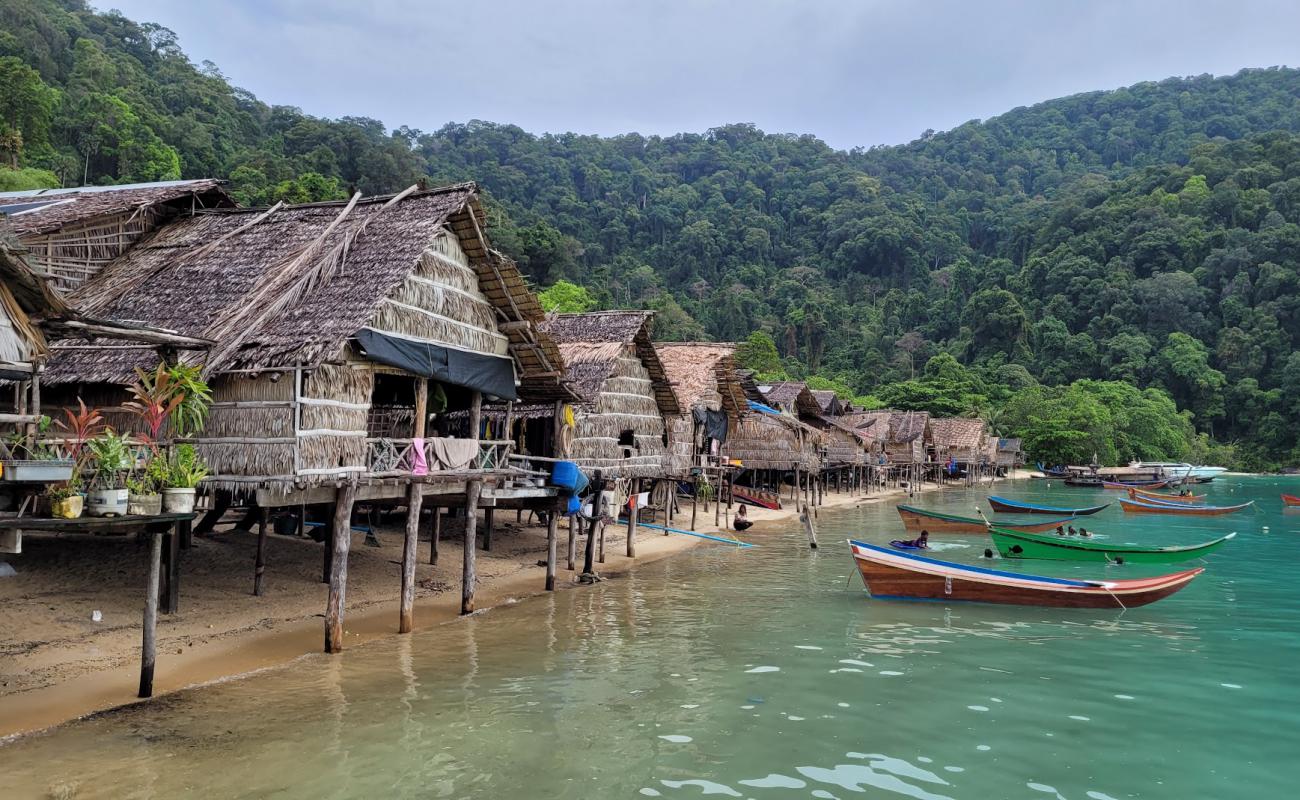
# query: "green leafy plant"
x,y
60,491
111,457
184,468
191,412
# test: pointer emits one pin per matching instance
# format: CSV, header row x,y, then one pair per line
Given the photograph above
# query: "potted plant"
x,y
34,460
184,472
108,493
144,497
66,502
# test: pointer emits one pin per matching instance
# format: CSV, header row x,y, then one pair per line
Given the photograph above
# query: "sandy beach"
x,y
57,663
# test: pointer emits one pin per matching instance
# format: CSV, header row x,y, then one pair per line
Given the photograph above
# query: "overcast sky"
x,y
853,73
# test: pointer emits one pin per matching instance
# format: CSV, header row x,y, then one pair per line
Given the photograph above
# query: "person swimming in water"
x,y
1060,531
1083,531
921,542
1072,530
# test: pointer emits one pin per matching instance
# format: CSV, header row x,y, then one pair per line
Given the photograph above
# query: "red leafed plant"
x,y
156,398
79,428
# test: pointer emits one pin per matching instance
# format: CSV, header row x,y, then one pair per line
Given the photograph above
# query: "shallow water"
x,y
764,673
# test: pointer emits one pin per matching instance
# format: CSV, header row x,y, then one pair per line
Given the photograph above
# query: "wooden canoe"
x,y
756,497
1290,500
1016,544
1135,484
1051,473
893,575
916,520
1135,507
1142,497
1006,506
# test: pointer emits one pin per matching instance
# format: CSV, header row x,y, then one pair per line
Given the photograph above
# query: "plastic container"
x,y
55,471
178,501
573,506
565,475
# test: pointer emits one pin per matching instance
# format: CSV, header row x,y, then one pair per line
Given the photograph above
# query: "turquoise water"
x,y
764,673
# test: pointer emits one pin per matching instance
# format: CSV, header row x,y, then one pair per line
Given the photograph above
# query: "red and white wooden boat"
x,y
893,575
1291,500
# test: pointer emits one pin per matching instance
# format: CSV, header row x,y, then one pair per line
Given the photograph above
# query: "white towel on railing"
x,y
454,454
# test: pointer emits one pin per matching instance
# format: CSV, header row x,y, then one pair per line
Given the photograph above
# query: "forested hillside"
x,y
1018,267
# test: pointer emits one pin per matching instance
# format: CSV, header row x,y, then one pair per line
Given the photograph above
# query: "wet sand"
x,y
57,664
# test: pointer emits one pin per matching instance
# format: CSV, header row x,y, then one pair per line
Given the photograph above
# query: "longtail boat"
x,y
1017,544
1051,473
1135,484
756,497
916,520
1183,499
893,575
1290,500
1135,507
1015,507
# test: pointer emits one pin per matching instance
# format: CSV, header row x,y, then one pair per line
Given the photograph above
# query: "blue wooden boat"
x,y
1006,506
1051,473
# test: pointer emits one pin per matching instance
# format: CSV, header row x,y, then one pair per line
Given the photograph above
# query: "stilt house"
x,y
712,400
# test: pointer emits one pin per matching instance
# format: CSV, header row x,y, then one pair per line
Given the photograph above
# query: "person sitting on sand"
x,y
920,542
742,522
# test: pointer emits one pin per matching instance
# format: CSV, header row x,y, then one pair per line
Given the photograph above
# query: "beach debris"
x,y
7,570
97,616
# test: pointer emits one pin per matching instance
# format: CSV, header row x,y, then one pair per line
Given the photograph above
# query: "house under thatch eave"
x,y
901,436
625,395
704,376
327,318
957,438
71,234
829,402
765,441
23,293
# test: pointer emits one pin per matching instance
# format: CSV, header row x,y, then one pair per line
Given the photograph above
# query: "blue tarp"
x,y
764,409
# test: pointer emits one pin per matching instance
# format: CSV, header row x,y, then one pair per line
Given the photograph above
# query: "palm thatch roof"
x,y
828,402
888,426
957,433
792,396
704,374
40,211
23,293
592,343
290,285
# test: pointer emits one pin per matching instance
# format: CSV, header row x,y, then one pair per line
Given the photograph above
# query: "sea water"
x,y
764,673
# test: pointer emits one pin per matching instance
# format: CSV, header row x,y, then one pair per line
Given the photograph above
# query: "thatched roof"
x,y
704,373
591,344
40,211
887,426
27,286
288,286
957,433
792,396
828,402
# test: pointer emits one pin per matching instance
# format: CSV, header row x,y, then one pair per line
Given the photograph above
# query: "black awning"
x,y
494,375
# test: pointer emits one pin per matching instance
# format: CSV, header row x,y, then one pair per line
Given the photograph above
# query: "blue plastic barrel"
x,y
565,475
573,507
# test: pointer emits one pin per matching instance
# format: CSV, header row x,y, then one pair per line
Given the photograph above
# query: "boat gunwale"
x,y
1095,546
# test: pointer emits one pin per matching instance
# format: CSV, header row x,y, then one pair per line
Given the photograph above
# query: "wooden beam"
x,y
111,330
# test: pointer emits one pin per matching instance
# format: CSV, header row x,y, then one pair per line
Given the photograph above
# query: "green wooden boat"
x,y
1015,544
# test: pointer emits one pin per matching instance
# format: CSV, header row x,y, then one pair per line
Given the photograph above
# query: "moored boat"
x,y
756,497
1290,500
1058,472
1135,484
1006,506
890,574
1017,544
1182,499
1137,507
916,520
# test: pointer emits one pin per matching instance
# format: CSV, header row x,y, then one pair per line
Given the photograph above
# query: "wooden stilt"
x,y
259,565
346,496
597,523
435,535
148,649
329,549
552,524
695,500
600,542
632,512
472,493
573,542
414,500
808,528
488,519
171,595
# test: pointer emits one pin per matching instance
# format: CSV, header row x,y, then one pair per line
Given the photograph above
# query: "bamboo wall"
x,y
762,441
75,254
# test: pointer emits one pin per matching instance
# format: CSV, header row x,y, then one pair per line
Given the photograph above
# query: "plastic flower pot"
x,y
68,507
178,501
107,502
144,505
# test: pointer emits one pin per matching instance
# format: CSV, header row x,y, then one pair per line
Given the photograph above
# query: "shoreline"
x,y
60,669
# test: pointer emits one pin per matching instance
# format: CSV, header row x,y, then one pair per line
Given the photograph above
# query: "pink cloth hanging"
x,y
418,464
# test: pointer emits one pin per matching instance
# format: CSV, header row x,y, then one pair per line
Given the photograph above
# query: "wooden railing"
x,y
398,457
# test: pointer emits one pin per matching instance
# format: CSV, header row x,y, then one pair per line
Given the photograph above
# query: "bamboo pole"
x,y
695,500
347,494
809,528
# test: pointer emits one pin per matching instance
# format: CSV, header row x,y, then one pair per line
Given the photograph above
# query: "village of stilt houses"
x,y
207,406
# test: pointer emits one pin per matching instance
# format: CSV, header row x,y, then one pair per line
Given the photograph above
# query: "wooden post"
x,y
552,524
598,492
435,535
475,415
573,542
342,536
329,549
717,500
599,503
808,528
172,562
632,513
472,492
414,500
695,499
488,517
148,650
259,565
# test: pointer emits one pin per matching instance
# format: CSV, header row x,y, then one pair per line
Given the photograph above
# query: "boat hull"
x,y
916,520
1142,497
1138,485
1135,507
1012,544
902,576
1291,500
756,497
1002,505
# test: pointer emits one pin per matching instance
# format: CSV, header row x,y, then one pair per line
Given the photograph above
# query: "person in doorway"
x,y
742,522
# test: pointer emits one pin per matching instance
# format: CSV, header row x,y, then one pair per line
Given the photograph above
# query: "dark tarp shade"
x,y
714,423
494,375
